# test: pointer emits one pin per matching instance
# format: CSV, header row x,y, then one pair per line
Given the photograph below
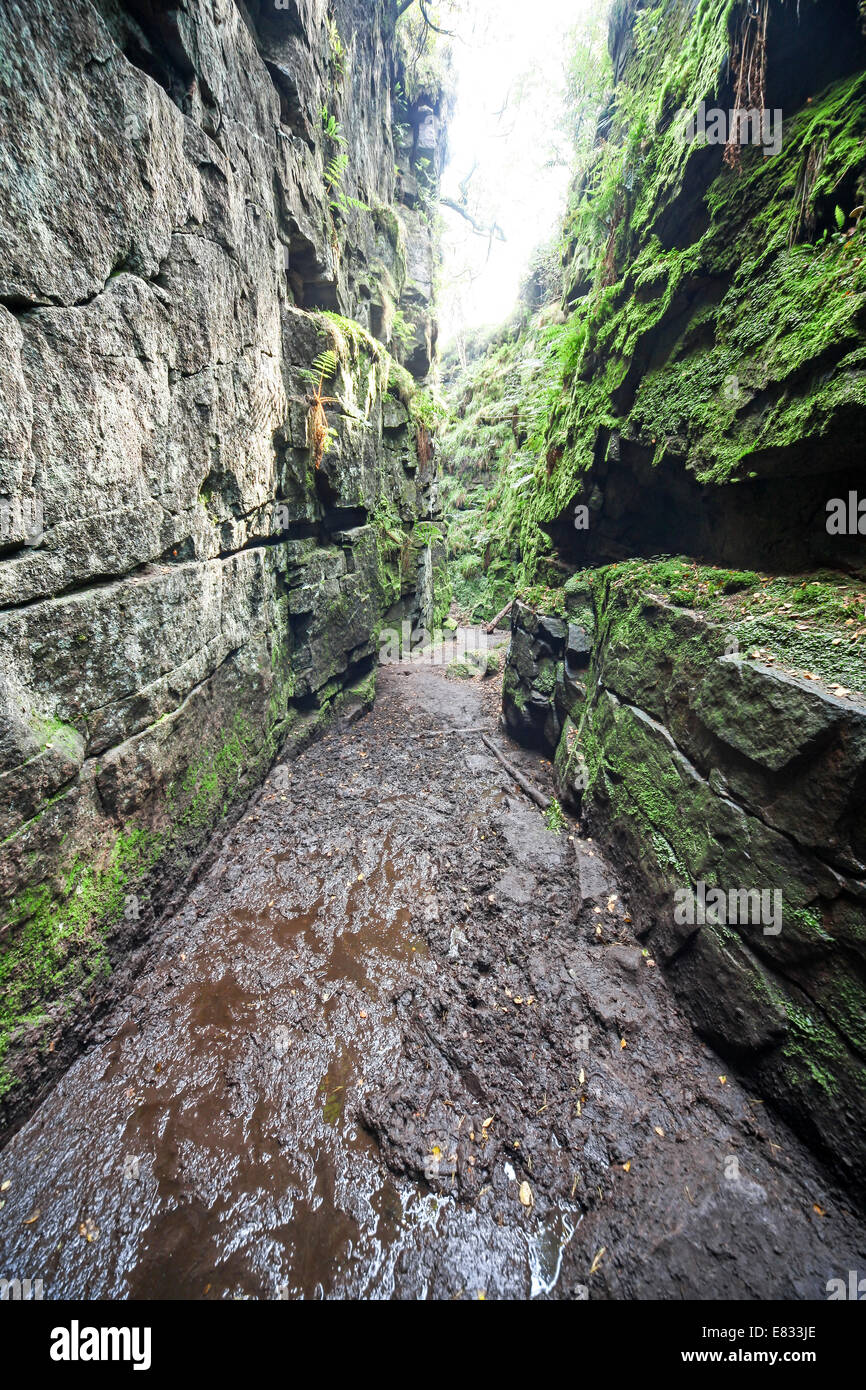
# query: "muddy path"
x,y
396,1005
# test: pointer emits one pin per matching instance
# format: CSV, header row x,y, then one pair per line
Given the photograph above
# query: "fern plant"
x,y
341,201
320,432
324,367
338,51
335,170
332,128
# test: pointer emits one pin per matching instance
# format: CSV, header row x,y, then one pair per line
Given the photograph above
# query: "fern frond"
x,y
326,364
335,170
323,368
345,203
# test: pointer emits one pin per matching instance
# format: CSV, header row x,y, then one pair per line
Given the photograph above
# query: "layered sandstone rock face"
x,y
700,726
710,722
207,213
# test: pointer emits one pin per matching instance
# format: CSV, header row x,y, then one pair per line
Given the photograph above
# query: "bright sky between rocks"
x,y
509,64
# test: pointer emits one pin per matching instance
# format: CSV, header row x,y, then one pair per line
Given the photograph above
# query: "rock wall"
x,y
197,201
700,389
701,396
718,293
708,741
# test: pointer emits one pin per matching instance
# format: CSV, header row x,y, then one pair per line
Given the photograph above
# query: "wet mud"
x,y
401,1042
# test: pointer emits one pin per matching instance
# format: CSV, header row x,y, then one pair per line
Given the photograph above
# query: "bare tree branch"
x,y
494,231
404,5
501,112
446,33
464,184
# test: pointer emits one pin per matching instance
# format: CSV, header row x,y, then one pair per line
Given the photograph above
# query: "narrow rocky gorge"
x,y
433,815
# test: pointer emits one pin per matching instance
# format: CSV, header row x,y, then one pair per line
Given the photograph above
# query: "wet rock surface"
x,y
181,579
401,1042
545,674
716,744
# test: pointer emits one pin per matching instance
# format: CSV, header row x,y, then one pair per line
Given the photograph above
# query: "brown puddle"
x,y
353,962
227,1161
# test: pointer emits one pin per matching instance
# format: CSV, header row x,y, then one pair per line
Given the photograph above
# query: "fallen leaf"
x,y
363,1013
723,1080
34,1217
819,1211
593,1269
622,1044
525,1194
5,1186
659,1131
626,1167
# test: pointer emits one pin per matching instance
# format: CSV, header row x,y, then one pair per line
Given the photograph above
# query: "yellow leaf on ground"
x,y
525,1194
